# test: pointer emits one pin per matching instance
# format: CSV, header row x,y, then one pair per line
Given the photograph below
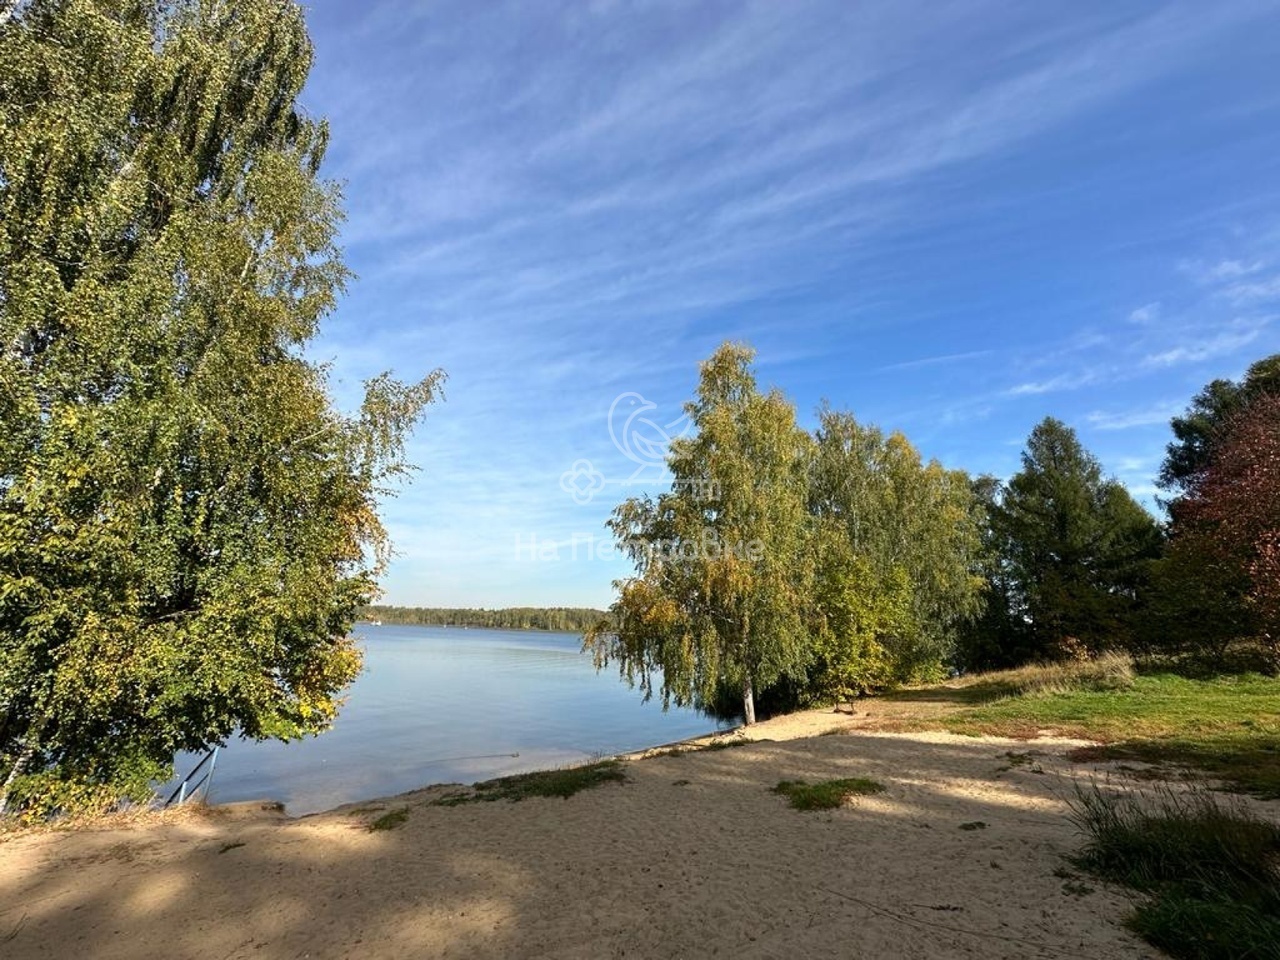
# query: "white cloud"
x,y
1142,417
1254,292
1220,345
1063,381
1145,315
938,360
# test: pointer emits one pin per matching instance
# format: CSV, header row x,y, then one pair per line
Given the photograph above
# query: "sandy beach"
x,y
694,856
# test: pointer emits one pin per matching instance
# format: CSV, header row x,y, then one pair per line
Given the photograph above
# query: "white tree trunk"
x,y
748,702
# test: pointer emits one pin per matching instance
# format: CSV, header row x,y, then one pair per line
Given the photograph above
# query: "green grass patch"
x,y
1211,869
1246,762
563,783
827,795
390,820
684,749
726,743
1228,727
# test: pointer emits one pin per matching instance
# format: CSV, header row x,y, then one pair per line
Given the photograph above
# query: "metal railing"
x,y
186,789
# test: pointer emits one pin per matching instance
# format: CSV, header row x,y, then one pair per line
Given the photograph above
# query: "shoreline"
x,y
963,851
693,841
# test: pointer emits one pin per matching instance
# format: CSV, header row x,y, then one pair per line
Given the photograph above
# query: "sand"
x,y
693,857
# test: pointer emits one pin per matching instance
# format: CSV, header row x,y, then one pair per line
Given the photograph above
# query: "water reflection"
x,y
440,705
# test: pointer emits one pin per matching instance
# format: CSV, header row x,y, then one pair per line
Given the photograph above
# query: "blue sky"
x,y
952,218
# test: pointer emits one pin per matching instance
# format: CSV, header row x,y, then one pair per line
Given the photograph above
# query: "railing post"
x,y
208,781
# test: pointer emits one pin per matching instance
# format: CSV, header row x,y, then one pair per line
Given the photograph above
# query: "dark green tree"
x,y
998,635
187,526
723,560
1074,547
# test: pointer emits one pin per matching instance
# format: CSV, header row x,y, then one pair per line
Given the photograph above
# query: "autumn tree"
x,y
187,525
723,565
1202,426
1074,547
1221,578
899,558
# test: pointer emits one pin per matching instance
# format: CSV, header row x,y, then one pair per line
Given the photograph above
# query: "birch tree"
x,y
723,565
187,525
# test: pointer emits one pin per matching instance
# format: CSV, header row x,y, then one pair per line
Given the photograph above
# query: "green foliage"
x,y
1074,550
1211,869
861,562
187,526
901,555
389,820
559,619
723,565
83,791
827,795
562,783
857,614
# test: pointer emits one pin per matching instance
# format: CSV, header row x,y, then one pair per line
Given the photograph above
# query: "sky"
x,y
951,218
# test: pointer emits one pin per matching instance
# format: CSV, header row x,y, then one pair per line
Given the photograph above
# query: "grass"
x,y
390,820
1246,762
1227,727
562,783
721,743
726,743
1106,673
827,795
1211,870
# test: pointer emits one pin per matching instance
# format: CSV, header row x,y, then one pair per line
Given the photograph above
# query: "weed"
x,y
1211,867
390,820
826,795
562,783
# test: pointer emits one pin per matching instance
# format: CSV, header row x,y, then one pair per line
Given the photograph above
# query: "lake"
x,y
446,705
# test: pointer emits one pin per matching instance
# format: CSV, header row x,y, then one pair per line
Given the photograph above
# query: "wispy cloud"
x,y
558,202
1146,314
1240,334
1063,381
938,360
1128,419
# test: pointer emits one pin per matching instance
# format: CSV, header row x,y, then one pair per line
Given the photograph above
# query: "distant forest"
x,y
566,619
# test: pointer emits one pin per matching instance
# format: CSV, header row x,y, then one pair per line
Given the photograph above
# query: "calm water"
x,y
441,705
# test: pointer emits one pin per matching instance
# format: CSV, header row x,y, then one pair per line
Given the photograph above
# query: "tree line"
x,y
872,567
189,527
560,619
